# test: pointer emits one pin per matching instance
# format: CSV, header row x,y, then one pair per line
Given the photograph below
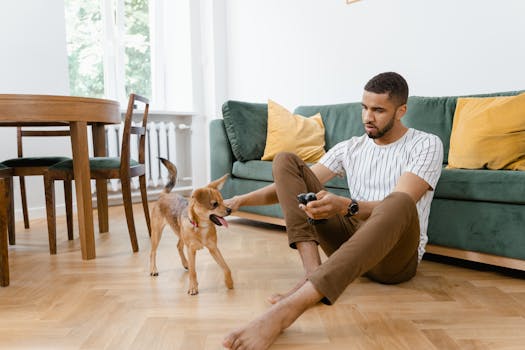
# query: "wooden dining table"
x,y
77,113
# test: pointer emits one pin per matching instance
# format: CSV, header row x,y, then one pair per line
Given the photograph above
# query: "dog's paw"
x,y
155,274
193,291
228,281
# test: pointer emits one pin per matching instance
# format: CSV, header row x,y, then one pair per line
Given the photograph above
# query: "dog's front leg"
x,y
193,288
180,248
215,252
157,227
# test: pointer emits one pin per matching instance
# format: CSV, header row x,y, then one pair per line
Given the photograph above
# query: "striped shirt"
x,y
373,170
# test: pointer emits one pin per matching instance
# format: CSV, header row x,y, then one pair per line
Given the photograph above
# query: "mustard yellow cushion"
x,y
293,133
488,133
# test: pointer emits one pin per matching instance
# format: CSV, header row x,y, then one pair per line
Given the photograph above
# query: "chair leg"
x,y
102,205
49,187
4,209
11,211
68,197
128,207
24,201
144,195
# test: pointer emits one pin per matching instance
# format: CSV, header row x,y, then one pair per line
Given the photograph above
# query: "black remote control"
x,y
304,198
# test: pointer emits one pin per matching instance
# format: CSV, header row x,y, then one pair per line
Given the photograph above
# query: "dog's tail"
x,y
172,170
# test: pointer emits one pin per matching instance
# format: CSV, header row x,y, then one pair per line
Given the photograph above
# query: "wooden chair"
x,y
123,168
6,220
36,166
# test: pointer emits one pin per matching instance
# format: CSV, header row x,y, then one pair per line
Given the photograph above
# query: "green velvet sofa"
x,y
477,215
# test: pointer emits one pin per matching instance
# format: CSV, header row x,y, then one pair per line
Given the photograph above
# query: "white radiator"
x,y
166,139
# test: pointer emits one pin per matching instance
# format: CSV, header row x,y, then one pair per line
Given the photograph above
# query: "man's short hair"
x,y
392,83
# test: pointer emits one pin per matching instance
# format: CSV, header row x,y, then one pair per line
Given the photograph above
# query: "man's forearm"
x,y
365,209
263,196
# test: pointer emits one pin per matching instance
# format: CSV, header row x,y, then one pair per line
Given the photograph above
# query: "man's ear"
x,y
400,112
219,182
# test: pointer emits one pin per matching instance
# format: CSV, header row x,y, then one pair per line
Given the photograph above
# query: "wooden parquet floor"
x,y
62,302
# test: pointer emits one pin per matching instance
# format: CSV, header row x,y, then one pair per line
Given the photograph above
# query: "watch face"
x,y
354,208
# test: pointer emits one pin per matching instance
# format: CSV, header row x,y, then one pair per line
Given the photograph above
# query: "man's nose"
x,y
368,116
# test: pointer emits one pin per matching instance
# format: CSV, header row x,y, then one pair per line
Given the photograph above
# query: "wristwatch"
x,y
353,208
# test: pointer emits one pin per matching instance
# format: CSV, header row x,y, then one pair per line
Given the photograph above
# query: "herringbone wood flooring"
x,y
62,302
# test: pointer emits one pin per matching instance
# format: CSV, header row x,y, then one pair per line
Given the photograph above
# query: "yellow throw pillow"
x,y
488,133
293,133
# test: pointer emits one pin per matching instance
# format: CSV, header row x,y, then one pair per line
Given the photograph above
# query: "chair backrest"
x,y
22,132
140,131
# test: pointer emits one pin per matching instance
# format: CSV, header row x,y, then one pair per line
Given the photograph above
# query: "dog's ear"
x,y
219,182
194,218
202,196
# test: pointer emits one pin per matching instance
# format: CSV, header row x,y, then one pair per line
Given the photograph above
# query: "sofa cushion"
x,y
262,171
488,132
289,132
503,186
341,121
246,124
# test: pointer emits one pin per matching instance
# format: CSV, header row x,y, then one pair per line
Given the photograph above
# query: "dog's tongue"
x,y
223,221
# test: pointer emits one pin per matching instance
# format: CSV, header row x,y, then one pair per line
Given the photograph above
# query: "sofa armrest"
x,y
221,156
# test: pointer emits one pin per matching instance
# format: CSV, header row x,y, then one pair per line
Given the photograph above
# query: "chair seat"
x,y
98,163
5,171
33,161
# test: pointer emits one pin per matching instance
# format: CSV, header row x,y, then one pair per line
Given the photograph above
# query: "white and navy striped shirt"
x,y
373,170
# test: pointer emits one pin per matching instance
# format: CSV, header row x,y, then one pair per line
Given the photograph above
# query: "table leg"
x,y
83,188
4,261
99,148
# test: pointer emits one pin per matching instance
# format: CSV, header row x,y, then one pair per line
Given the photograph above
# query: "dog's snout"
x,y
228,210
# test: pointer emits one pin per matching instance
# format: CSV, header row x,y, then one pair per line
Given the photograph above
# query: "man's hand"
x,y
233,203
326,206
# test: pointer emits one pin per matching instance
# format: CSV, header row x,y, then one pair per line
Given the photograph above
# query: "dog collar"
x,y
193,223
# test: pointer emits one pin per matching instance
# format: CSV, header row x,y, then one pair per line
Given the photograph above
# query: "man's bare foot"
x,y
258,334
264,330
275,298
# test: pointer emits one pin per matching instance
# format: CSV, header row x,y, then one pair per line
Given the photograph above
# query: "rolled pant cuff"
x,y
329,295
296,239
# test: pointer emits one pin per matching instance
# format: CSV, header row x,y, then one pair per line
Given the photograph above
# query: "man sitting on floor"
x,y
380,232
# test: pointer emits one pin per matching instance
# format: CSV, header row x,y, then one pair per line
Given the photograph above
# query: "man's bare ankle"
x,y
309,253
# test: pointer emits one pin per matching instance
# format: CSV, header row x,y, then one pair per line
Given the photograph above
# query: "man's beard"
x,y
382,132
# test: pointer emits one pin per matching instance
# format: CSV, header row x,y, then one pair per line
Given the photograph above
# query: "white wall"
x,y
321,52
33,61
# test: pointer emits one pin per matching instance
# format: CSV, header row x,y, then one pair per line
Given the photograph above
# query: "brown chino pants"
x,y
384,247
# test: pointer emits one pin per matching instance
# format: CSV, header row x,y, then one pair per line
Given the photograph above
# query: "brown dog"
x,y
193,222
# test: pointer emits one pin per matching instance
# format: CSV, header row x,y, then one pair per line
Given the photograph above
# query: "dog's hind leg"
x,y
215,252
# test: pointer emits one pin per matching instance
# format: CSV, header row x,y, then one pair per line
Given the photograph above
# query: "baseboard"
x,y
484,258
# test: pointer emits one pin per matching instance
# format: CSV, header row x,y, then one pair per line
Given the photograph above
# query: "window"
x,y
116,47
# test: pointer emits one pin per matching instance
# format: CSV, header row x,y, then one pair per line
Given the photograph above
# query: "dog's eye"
x,y
214,205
